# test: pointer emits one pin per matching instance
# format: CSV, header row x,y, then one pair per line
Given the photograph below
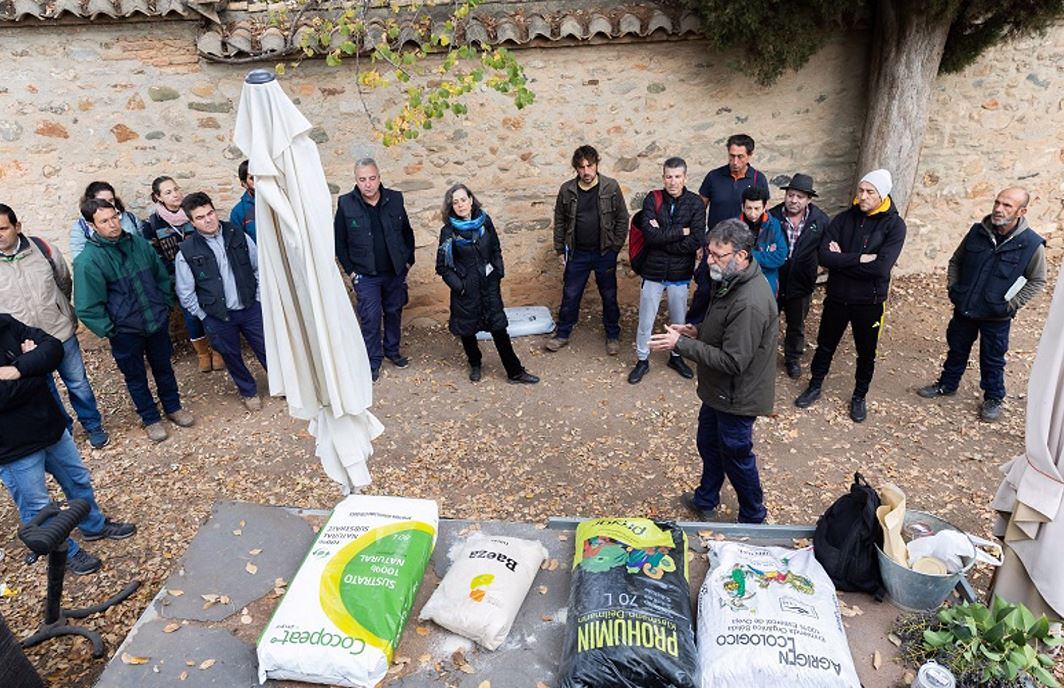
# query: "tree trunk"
x,y
906,51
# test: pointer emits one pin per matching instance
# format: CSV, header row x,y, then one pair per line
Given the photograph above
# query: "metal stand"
x,y
49,531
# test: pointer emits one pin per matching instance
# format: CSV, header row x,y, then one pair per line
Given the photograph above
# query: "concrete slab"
x,y
215,563
216,560
182,653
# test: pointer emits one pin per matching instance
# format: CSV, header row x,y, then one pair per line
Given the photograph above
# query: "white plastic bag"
x,y
345,609
953,548
768,616
482,592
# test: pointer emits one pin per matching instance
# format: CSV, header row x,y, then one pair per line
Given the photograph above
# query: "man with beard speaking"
x,y
734,347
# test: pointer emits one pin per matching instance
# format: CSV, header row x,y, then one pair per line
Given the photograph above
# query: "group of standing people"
x,y
126,278
749,264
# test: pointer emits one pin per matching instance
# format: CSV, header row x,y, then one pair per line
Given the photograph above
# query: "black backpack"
x,y
846,538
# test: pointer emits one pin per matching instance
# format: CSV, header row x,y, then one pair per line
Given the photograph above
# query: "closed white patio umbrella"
x,y
1030,497
314,349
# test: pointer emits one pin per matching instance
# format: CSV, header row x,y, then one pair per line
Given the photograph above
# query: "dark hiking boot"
x,y
808,397
858,409
640,369
680,366
793,368
688,499
83,563
112,530
935,390
991,410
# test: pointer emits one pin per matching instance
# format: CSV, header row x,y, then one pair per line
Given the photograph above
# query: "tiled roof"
x,y
30,10
245,30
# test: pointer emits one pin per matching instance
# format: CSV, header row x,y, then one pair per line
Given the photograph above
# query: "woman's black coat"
x,y
476,300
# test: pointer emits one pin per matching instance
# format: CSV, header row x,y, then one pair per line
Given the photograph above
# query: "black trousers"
x,y
866,321
794,312
502,344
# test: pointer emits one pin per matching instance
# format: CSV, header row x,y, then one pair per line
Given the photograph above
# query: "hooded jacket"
x,y
770,248
797,277
880,232
29,417
736,346
986,266
121,286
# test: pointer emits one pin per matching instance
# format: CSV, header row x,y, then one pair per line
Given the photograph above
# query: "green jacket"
x,y
121,286
736,346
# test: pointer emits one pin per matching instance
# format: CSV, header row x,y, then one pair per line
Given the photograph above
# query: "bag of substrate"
x,y
768,616
629,621
482,592
345,609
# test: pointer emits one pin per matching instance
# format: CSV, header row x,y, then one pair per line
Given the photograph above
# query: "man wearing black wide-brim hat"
x,y
803,224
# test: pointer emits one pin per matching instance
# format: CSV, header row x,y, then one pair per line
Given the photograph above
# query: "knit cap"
x,y
880,179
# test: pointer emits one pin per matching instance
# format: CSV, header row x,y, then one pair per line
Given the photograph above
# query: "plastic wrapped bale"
x,y
768,616
629,622
483,591
345,609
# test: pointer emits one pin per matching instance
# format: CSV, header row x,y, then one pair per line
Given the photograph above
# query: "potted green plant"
x,y
1003,646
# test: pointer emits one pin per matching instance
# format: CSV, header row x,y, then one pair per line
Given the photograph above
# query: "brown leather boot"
x,y
217,362
203,354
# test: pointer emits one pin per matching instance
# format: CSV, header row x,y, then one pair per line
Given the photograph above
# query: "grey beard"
x,y
715,273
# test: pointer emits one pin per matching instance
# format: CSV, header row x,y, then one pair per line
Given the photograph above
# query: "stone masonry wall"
x,y
128,102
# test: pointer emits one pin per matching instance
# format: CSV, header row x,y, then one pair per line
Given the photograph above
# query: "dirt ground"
x,y
581,443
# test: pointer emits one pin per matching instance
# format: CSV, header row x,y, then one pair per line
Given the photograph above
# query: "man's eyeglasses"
x,y
718,257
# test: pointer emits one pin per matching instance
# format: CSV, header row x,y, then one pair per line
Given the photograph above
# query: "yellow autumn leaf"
x,y
207,664
251,568
133,659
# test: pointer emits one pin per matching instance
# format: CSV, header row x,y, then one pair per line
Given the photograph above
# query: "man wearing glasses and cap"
x,y
803,224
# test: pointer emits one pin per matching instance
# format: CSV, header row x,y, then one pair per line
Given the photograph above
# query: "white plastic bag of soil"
x,y
345,609
482,592
768,616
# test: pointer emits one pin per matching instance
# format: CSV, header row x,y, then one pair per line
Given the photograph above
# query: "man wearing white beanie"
x,y
859,250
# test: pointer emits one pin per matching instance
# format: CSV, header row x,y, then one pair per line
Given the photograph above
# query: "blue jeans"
x,y
24,479
192,325
725,443
578,268
82,400
377,296
225,339
129,352
993,344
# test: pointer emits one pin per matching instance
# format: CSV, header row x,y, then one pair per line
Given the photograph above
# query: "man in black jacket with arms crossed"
x,y
859,249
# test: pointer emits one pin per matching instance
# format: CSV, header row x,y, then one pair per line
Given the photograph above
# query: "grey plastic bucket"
x,y
912,590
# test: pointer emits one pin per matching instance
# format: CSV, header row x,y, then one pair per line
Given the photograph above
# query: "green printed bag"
x,y
343,614
629,622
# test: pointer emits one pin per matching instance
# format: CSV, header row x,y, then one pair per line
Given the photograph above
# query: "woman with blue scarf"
x,y
470,261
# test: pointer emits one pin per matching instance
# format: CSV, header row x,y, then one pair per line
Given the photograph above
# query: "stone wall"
x,y
128,102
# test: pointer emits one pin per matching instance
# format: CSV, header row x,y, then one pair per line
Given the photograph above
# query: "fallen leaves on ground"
x,y
585,444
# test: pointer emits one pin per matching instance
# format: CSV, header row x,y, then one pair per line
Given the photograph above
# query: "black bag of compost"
x,y
629,622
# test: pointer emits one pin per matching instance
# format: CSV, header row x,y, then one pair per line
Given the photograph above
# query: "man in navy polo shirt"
x,y
722,189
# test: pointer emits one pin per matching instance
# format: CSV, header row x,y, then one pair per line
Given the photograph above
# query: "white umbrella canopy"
x,y
1029,498
314,348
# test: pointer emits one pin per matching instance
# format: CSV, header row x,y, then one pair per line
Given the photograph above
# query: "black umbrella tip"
x,y
260,76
